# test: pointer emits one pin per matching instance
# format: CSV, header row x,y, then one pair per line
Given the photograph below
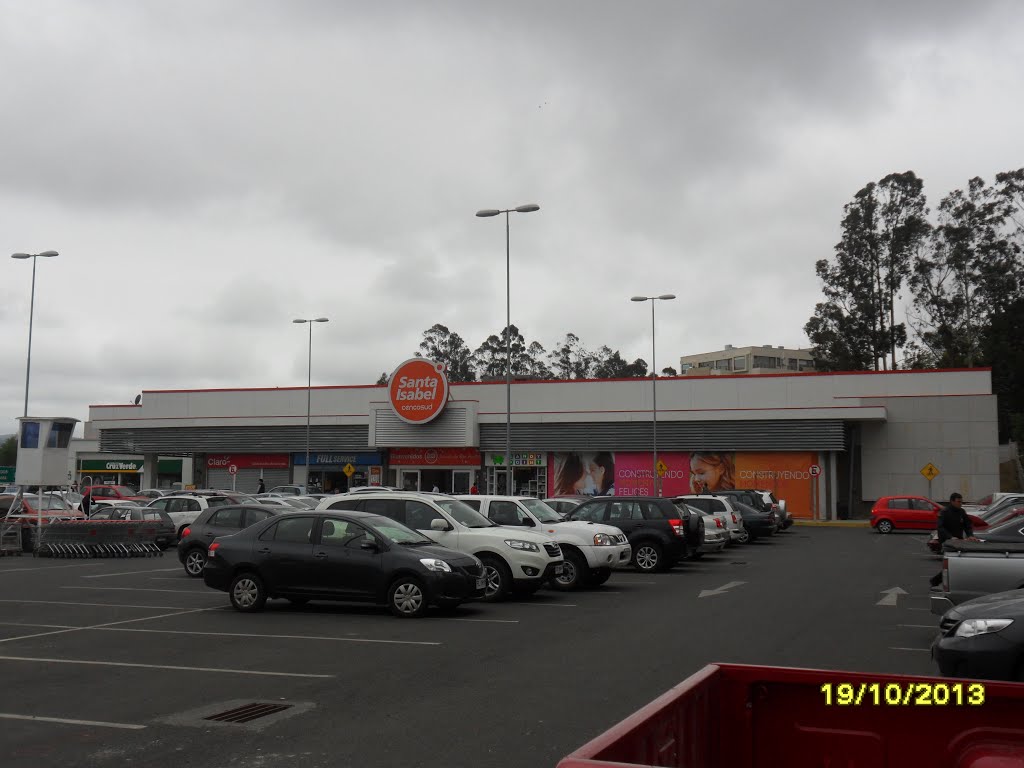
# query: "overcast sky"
x,y
210,170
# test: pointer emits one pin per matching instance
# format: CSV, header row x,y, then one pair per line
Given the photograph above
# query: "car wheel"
x,y
599,576
406,598
195,561
744,537
499,579
247,592
884,526
574,572
648,557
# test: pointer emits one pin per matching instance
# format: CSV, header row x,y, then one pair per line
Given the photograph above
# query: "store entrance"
x,y
409,479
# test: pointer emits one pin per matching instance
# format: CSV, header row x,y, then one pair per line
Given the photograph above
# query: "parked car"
x,y
714,535
983,638
520,560
185,508
715,504
341,555
1006,529
123,492
290,490
779,507
152,493
654,527
590,549
763,501
372,489
564,505
974,569
166,533
757,522
214,522
914,513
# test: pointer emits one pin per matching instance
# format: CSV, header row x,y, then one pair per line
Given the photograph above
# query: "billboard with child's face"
x,y
630,473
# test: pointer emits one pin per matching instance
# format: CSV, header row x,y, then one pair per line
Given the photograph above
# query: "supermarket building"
x,y
818,440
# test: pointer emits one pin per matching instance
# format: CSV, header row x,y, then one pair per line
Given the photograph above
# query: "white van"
x,y
517,559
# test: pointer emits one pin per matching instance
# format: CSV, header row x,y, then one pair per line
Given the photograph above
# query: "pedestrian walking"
x,y
261,488
474,490
953,525
86,502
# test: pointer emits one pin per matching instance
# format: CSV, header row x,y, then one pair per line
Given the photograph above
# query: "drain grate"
x,y
248,712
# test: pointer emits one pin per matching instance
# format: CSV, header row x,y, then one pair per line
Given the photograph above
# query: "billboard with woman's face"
x,y
630,473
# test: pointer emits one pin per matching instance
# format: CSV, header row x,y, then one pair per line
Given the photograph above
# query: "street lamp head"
x,y
21,255
639,298
529,208
667,296
300,321
321,320
49,254
487,212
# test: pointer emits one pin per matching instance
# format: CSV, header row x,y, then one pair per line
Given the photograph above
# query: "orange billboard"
x,y
787,475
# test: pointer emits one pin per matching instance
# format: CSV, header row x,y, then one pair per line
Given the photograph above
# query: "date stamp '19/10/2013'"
x,y
903,694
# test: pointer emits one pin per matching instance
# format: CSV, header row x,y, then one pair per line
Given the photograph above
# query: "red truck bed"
x,y
735,716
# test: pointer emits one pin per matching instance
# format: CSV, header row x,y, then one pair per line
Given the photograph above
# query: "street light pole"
x,y
31,312
309,383
654,388
508,332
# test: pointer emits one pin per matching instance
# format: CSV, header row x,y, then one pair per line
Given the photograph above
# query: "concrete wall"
x,y
958,434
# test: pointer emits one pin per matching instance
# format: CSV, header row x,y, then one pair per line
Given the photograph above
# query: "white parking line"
x,y
490,621
895,648
225,670
150,589
49,568
65,721
550,605
100,626
99,605
128,573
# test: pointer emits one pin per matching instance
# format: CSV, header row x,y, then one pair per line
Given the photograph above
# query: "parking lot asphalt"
x,y
111,662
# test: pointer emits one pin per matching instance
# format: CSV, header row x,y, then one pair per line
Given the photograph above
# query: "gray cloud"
x,y
210,171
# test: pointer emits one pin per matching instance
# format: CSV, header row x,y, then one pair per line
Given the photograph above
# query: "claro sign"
x,y
418,390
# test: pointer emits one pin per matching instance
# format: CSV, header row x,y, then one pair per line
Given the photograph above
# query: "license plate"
x,y
558,569
481,583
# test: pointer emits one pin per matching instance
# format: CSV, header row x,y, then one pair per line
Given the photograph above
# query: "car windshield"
x,y
395,532
121,490
463,513
997,510
745,509
542,511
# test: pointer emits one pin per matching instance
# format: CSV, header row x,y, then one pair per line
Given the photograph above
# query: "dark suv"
x,y
656,528
217,521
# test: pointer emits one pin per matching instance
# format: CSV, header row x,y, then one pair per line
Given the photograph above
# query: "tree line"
x,y
569,359
908,287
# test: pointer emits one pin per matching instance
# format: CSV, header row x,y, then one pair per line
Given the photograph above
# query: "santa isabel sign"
x,y
418,390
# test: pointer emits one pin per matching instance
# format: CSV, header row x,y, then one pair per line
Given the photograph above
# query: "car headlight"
x,y
526,546
604,540
433,564
973,627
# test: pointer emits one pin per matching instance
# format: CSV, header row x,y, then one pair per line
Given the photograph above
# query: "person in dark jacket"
x,y
86,503
261,488
953,524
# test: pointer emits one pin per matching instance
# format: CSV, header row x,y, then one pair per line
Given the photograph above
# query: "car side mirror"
x,y
527,523
438,524
370,546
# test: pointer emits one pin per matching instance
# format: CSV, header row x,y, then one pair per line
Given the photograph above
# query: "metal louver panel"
x,y
169,441
453,428
792,435
248,479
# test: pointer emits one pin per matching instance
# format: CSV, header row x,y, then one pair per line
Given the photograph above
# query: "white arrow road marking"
x,y
720,590
891,596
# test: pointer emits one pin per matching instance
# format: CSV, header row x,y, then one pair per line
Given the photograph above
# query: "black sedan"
x,y
341,555
214,522
983,638
756,522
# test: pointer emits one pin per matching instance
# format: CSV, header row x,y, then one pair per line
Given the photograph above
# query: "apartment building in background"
x,y
752,360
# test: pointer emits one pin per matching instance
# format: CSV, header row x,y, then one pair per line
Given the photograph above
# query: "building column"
x,y
149,471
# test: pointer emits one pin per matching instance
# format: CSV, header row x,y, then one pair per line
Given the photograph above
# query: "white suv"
x,y
590,550
183,510
511,558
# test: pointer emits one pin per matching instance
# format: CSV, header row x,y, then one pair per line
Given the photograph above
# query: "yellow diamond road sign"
x,y
662,468
930,471
349,470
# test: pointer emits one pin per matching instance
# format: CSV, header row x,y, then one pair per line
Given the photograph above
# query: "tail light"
x,y
718,522
212,551
677,527
186,532
734,519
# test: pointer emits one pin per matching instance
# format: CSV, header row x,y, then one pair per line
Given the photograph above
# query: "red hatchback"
x,y
910,513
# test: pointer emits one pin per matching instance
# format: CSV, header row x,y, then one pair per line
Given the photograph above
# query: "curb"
x,y
834,523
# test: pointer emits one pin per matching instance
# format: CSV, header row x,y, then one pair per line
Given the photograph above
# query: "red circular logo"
x,y
418,390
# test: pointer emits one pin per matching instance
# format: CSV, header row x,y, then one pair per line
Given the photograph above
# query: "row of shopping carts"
x,y
99,538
